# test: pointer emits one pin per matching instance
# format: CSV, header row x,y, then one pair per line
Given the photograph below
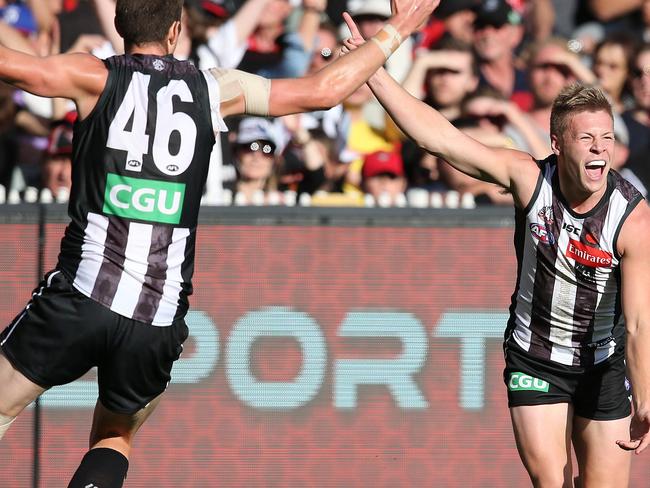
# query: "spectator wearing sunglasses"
x,y
551,66
444,76
255,160
498,31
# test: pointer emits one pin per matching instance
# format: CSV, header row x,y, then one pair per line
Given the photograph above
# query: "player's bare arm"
x,y
513,170
333,84
635,273
79,77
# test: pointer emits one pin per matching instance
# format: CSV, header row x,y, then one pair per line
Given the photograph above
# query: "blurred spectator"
x,y
452,18
273,51
498,31
444,76
311,162
57,163
612,60
489,111
370,17
551,66
383,177
359,137
637,120
218,39
255,160
640,85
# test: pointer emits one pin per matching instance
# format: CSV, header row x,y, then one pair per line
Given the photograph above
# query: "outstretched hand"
x,y
639,435
351,43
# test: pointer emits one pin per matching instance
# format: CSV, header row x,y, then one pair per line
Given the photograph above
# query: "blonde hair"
x,y
573,99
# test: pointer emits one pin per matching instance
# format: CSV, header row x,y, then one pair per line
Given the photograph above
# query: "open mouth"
x,y
595,169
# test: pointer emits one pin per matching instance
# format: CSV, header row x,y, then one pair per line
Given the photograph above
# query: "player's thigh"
x,y
602,463
543,436
117,430
16,391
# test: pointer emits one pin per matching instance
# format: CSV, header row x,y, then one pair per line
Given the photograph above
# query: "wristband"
x,y
388,39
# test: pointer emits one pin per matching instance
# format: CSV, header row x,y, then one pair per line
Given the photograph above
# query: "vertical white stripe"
x,y
523,311
564,297
92,253
135,268
215,102
173,279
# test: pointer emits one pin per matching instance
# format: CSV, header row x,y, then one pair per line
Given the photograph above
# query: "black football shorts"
x,y
61,334
599,392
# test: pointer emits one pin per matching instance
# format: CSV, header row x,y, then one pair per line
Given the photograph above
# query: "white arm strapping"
x,y
388,39
234,83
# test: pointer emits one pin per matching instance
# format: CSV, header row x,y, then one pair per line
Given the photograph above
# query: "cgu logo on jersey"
x,y
151,200
588,255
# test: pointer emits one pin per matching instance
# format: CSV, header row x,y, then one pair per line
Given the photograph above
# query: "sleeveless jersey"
x,y
139,164
567,304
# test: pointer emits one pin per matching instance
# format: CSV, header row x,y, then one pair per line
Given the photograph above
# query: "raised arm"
x,y
635,275
331,85
513,170
79,77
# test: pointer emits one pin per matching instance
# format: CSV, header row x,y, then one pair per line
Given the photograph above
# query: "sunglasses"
x,y
255,146
442,71
560,68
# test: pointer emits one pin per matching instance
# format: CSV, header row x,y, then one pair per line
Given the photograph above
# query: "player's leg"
x,y
543,436
106,463
16,392
602,464
602,416
132,378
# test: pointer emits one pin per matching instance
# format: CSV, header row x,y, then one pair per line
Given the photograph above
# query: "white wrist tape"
x,y
388,39
256,90
5,422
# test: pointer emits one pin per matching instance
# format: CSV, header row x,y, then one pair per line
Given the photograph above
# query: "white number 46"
x,y
135,141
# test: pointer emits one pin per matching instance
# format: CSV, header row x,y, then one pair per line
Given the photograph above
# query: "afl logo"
x,y
132,163
172,168
158,64
541,233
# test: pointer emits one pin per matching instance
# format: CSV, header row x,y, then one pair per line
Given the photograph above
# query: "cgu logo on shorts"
x,y
523,382
151,200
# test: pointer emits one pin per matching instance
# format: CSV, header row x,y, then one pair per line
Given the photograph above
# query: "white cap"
x,y
380,8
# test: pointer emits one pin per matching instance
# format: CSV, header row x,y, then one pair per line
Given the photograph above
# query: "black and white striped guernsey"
x,y
140,161
567,304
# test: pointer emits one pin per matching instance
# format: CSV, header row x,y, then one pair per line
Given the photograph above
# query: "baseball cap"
x,y
253,129
59,141
381,162
211,8
372,8
496,13
447,8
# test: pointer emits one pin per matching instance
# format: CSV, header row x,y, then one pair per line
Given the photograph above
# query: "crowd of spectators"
x,y
492,67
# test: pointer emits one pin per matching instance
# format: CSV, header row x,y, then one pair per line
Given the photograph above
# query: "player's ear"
x,y
555,144
174,33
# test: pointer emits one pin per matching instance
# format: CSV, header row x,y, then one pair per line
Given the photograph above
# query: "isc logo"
x,y
522,382
136,198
